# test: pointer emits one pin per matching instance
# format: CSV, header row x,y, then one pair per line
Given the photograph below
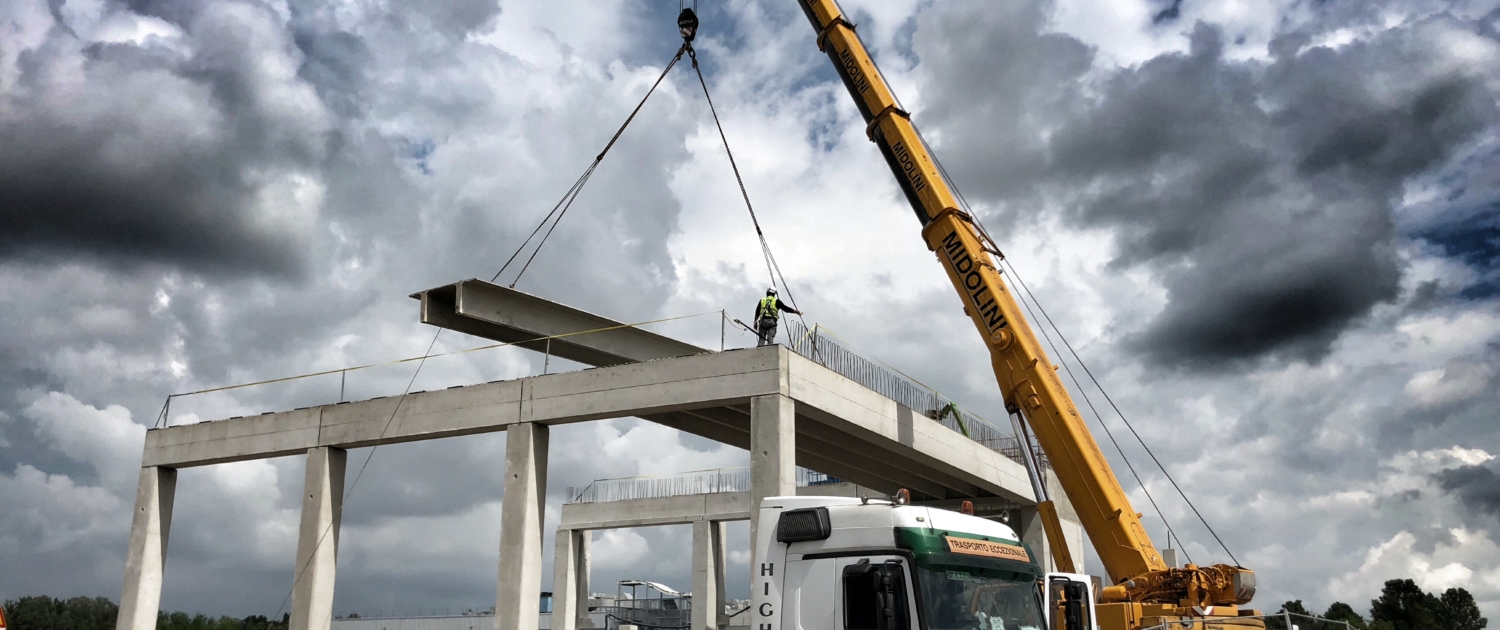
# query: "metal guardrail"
x,y
679,485
1274,621
826,351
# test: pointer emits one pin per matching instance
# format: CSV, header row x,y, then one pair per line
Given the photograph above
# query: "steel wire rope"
x,y
566,202
1112,404
1100,419
765,247
355,483
995,249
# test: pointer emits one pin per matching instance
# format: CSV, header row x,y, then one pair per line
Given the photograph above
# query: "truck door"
x,y
873,593
805,601
1070,602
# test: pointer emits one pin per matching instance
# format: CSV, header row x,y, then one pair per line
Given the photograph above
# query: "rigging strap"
x,y
568,197
765,247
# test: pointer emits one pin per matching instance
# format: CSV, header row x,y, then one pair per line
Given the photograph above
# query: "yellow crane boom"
x,y
1144,587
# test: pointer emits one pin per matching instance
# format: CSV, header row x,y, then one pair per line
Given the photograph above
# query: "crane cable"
x,y
562,204
995,249
765,247
566,202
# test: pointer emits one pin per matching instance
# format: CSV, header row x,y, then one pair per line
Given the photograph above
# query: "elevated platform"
x,y
784,408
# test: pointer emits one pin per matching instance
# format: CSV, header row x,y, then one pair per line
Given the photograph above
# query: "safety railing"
x,y
1274,621
679,485
820,347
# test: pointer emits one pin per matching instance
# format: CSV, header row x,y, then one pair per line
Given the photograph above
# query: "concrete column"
x,y
721,561
141,598
318,539
773,457
570,578
518,595
584,559
708,575
1029,528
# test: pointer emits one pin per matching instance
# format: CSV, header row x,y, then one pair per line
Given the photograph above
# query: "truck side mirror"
x,y
875,596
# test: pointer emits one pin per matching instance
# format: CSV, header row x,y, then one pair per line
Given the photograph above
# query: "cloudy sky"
x,y
1272,228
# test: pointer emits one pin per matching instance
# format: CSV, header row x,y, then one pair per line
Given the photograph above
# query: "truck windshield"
x,y
955,599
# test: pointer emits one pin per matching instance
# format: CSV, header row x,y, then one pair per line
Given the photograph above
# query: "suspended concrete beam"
x,y
503,314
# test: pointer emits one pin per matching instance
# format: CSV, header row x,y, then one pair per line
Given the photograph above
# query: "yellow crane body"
x,y
1144,590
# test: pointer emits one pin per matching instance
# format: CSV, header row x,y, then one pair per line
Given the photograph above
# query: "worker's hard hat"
x,y
771,291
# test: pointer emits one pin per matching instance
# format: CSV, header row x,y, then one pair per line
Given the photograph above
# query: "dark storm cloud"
x,y
1263,191
1477,487
156,155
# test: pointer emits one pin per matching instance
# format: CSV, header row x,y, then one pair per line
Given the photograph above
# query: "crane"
x,y
1143,590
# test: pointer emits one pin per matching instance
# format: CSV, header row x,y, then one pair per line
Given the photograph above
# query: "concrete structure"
x,y
786,409
318,539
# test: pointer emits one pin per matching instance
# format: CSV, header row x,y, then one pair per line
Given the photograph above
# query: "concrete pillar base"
x,y
519,592
773,455
708,575
140,600
318,539
570,580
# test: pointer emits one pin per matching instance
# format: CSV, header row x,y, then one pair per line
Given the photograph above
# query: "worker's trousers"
x,y
767,332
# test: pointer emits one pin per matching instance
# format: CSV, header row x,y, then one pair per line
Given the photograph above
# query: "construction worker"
x,y
767,312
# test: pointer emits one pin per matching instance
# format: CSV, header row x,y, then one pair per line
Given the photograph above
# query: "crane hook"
x,y
687,24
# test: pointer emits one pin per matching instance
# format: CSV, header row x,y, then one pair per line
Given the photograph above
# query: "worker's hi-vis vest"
x,y
768,308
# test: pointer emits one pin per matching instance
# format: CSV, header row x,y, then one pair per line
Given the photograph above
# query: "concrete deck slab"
x,y
842,429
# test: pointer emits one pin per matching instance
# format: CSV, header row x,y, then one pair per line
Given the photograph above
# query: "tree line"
x,y
1402,605
99,613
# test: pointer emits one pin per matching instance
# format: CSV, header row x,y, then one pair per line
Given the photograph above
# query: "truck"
x,y
824,563
862,564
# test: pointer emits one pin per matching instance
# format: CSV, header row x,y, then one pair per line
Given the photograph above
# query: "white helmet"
x,y
771,291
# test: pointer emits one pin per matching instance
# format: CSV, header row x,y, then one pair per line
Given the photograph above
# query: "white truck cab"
x,y
839,563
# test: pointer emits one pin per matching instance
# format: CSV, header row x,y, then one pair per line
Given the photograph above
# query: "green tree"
x,y
1459,612
1339,611
1405,606
45,613
1295,607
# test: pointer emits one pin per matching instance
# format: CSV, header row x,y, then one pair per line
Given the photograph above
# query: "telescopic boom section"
x,y
1027,379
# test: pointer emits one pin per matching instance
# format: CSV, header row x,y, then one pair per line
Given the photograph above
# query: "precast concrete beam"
x,y
145,560
318,539
713,506
773,452
641,389
708,576
495,312
519,592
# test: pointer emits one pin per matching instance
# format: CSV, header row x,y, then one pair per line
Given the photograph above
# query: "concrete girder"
x,y
678,510
495,312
